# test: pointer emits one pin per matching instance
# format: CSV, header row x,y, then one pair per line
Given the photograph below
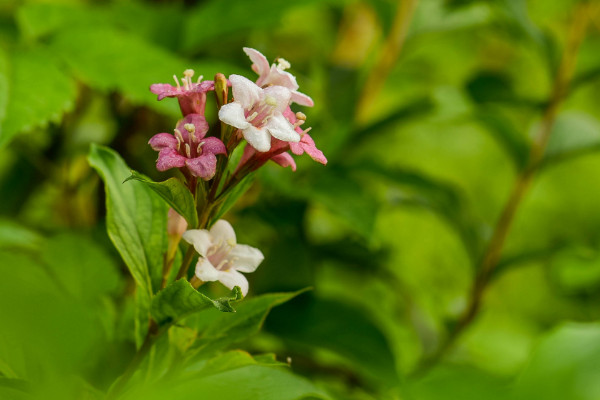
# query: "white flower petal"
x,y
280,96
281,78
302,99
205,271
260,139
245,92
200,239
222,232
232,278
233,114
282,129
261,64
245,258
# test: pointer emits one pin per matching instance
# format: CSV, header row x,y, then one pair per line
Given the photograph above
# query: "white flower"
x,y
222,259
258,114
276,74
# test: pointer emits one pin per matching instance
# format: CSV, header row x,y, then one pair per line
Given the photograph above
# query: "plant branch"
x,y
388,56
493,252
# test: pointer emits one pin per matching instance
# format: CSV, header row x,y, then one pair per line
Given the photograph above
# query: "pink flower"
x,y
252,159
276,75
188,148
306,143
191,96
257,113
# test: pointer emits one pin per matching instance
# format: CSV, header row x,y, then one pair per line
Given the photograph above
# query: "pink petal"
x,y
164,90
302,99
285,160
308,145
198,121
169,158
213,145
203,166
260,63
163,141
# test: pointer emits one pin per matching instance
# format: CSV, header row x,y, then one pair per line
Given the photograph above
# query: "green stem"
x,y
153,334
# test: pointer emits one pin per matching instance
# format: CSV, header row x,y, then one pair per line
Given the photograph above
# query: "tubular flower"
x,y
222,259
276,74
258,114
191,95
188,147
252,160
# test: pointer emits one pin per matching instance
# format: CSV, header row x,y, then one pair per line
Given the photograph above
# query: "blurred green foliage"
x,y
423,155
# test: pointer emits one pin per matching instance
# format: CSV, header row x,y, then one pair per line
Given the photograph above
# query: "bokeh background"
x,y
427,111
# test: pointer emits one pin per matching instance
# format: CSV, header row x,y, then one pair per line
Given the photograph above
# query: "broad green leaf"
x,y
573,134
563,366
513,142
14,235
40,19
180,299
358,210
124,62
207,21
250,382
40,92
459,383
136,219
174,193
81,267
43,330
441,197
4,85
316,324
576,269
219,330
231,360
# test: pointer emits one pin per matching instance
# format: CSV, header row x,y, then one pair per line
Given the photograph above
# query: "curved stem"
x,y
493,252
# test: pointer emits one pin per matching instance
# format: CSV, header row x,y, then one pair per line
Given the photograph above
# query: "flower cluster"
x,y
258,116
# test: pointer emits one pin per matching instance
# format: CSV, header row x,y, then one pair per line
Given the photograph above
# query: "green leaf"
x,y
564,365
441,197
82,268
213,19
174,193
218,330
316,324
358,210
40,92
36,20
513,142
180,299
14,235
4,85
250,382
136,219
572,134
124,62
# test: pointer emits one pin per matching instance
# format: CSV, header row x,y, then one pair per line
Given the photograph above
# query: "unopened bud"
x,y
221,89
176,224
